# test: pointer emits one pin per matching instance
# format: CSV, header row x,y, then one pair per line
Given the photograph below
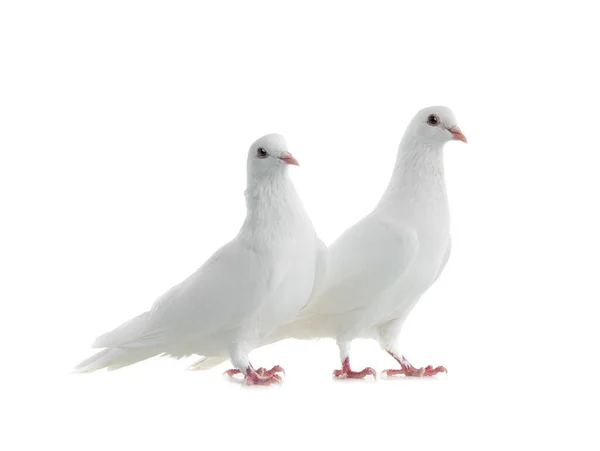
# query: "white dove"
x,y
380,267
251,285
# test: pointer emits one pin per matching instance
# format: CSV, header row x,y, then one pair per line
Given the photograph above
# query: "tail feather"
x,y
126,334
114,358
206,363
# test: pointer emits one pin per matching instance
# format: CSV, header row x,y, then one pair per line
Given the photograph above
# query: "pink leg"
x,y
347,373
408,370
262,376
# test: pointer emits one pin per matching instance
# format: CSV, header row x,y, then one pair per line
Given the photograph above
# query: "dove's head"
x,y
268,156
437,124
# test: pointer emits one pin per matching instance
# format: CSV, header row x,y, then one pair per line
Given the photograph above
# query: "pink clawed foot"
x,y
273,371
262,376
408,370
347,373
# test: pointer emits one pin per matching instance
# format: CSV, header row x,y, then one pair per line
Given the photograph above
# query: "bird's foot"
x,y
408,370
261,376
347,373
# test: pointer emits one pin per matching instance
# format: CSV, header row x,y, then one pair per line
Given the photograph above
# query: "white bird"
x,y
380,267
251,285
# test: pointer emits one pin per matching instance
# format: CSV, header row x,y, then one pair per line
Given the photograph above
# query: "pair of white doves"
x,y
276,279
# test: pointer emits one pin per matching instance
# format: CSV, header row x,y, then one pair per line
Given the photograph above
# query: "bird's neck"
x,y
274,209
417,183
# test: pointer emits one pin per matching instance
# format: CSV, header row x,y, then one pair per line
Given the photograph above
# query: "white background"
x,y
124,128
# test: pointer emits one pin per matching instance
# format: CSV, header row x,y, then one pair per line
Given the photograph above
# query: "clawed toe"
x,y
273,371
261,376
256,379
347,373
232,372
408,370
341,374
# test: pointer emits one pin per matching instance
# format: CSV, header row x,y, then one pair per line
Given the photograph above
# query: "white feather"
x,y
251,285
380,267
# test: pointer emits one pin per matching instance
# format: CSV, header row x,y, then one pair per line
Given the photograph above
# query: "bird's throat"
x,y
274,210
417,180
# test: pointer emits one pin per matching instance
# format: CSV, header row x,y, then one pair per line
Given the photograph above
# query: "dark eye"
x,y
261,153
433,120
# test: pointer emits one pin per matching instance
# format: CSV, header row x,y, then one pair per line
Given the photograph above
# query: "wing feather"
x,y
226,290
365,260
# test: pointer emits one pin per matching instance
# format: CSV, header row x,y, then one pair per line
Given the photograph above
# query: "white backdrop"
x,y
124,128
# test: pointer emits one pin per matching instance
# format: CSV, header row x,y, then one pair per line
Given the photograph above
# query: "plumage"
x,y
381,266
251,285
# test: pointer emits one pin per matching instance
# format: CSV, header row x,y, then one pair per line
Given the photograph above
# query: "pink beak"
x,y
457,134
288,158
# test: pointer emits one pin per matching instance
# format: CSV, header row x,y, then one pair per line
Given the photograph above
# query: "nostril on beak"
x,y
457,133
287,157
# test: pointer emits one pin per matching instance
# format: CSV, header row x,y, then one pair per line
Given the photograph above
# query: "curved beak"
x,y
457,134
287,157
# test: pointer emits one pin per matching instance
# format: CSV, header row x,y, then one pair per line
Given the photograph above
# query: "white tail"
x,y
127,333
206,363
114,358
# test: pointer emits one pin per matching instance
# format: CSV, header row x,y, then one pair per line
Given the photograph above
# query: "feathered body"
x,y
380,267
260,279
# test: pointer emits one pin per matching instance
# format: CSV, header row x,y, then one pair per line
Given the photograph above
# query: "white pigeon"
x,y
251,285
380,267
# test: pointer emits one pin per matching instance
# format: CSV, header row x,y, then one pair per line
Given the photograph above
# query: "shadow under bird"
x,y
250,286
380,267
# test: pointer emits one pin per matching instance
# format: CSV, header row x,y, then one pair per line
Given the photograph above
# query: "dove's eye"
x,y
261,153
433,120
